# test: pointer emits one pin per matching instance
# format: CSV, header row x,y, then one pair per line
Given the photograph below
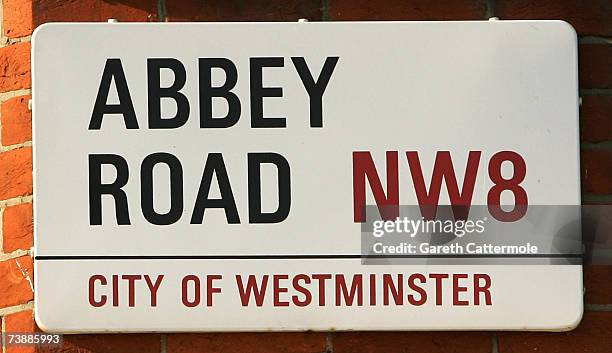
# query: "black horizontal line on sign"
x,y
293,257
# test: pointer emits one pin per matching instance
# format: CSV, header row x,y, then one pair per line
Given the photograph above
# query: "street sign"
x,y
230,176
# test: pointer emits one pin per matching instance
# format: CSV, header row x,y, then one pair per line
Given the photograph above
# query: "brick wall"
x,y
592,19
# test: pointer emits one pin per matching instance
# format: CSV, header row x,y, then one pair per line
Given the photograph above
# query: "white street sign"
x,y
213,176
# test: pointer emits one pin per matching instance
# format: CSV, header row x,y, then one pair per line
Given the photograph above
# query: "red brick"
x,y
360,10
93,11
412,342
593,335
15,277
17,228
595,65
596,170
589,17
16,121
298,342
239,10
596,118
15,173
21,322
598,285
17,18
116,343
15,67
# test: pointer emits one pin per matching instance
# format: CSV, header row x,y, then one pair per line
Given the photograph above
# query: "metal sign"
x,y
264,176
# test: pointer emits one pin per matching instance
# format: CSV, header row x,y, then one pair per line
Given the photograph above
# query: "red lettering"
x,y
389,286
457,288
484,289
413,286
92,300
387,203
131,290
251,287
211,289
372,289
443,170
115,290
277,289
512,184
321,278
196,291
153,287
299,288
343,292
438,278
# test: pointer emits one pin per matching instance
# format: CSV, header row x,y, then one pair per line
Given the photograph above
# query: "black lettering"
x,y
215,166
113,71
258,92
156,93
207,92
315,89
284,188
176,188
97,189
